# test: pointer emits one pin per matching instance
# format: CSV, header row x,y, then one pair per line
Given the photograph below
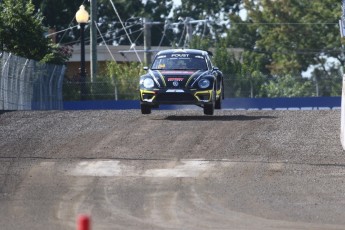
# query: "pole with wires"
x,y
129,38
189,32
147,41
93,40
82,17
342,21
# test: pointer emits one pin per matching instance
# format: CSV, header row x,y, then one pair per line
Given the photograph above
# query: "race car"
x,y
182,76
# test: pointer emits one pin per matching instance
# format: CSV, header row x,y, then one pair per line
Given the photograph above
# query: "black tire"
x,y
209,108
145,109
219,103
221,97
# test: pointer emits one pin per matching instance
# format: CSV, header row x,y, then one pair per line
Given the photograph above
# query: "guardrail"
x,y
228,103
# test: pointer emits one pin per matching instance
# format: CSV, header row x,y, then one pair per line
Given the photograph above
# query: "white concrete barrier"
x,y
342,123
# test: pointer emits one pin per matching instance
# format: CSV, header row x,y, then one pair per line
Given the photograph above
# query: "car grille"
x,y
180,83
175,97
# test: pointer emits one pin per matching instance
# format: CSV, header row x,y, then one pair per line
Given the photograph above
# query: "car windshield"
x,y
177,61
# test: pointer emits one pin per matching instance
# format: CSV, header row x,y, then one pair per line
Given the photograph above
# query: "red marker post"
x,y
84,223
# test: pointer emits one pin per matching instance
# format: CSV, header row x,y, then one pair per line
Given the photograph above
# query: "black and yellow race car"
x,y
182,76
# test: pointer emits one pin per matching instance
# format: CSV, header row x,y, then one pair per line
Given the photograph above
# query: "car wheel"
x,y
145,109
219,103
219,100
209,108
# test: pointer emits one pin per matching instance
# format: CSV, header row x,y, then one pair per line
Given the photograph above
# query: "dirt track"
x,y
172,170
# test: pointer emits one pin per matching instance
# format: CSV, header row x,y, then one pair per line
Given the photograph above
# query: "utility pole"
x,y
93,40
343,8
342,21
189,35
147,41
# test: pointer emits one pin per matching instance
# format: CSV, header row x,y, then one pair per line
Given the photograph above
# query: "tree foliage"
x,y
59,15
21,30
213,13
281,38
294,34
288,37
22,33
287,86
124,78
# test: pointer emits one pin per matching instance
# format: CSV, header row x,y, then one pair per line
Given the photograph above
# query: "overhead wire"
x,y
124,28
164,31
99,36
129,38
112,39
56,32
106,45
284,23
69,25
182,34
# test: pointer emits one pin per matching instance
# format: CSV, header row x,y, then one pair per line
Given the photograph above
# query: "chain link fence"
x,y
27,84
322,85
106,88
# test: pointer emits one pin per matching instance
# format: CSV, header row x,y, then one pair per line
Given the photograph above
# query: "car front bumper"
x,y
176,96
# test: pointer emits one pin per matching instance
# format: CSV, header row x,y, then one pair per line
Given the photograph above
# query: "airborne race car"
x,y
182,76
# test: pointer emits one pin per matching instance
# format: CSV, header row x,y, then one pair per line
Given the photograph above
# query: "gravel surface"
x,y
172,169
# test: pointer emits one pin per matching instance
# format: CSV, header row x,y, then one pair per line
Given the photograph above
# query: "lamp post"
x,y
82,17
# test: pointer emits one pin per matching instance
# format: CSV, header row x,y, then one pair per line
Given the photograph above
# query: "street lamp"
x,y
82,17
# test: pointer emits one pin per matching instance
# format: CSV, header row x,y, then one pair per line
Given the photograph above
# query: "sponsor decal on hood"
x,y
177,72
175,78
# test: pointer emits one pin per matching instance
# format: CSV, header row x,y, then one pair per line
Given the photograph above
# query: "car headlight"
x,y
148,83
204,83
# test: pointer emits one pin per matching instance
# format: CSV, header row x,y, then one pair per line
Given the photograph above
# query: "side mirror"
x,y
146,68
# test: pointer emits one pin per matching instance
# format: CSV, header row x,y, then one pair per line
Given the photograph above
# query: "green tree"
x,y
21,31
59,15
57,54
293,33
124,79
329,84
287,86
286,37
214,13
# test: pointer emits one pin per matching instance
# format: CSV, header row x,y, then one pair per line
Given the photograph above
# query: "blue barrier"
x,y
101,104
228,103
283,103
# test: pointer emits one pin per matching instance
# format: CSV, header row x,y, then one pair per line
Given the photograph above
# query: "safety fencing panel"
x,y
27,84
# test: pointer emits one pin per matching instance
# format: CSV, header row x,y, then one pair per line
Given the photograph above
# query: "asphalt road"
x,y
172,170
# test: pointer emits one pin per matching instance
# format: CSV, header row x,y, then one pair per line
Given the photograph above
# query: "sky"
x,y
177,2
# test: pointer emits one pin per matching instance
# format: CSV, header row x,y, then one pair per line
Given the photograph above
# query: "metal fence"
x,y
27,84
105,88
101,89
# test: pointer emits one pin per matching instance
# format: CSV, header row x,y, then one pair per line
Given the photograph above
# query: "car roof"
x,y
189,51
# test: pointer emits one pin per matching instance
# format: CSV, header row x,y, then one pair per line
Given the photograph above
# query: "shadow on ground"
x,y
216,118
